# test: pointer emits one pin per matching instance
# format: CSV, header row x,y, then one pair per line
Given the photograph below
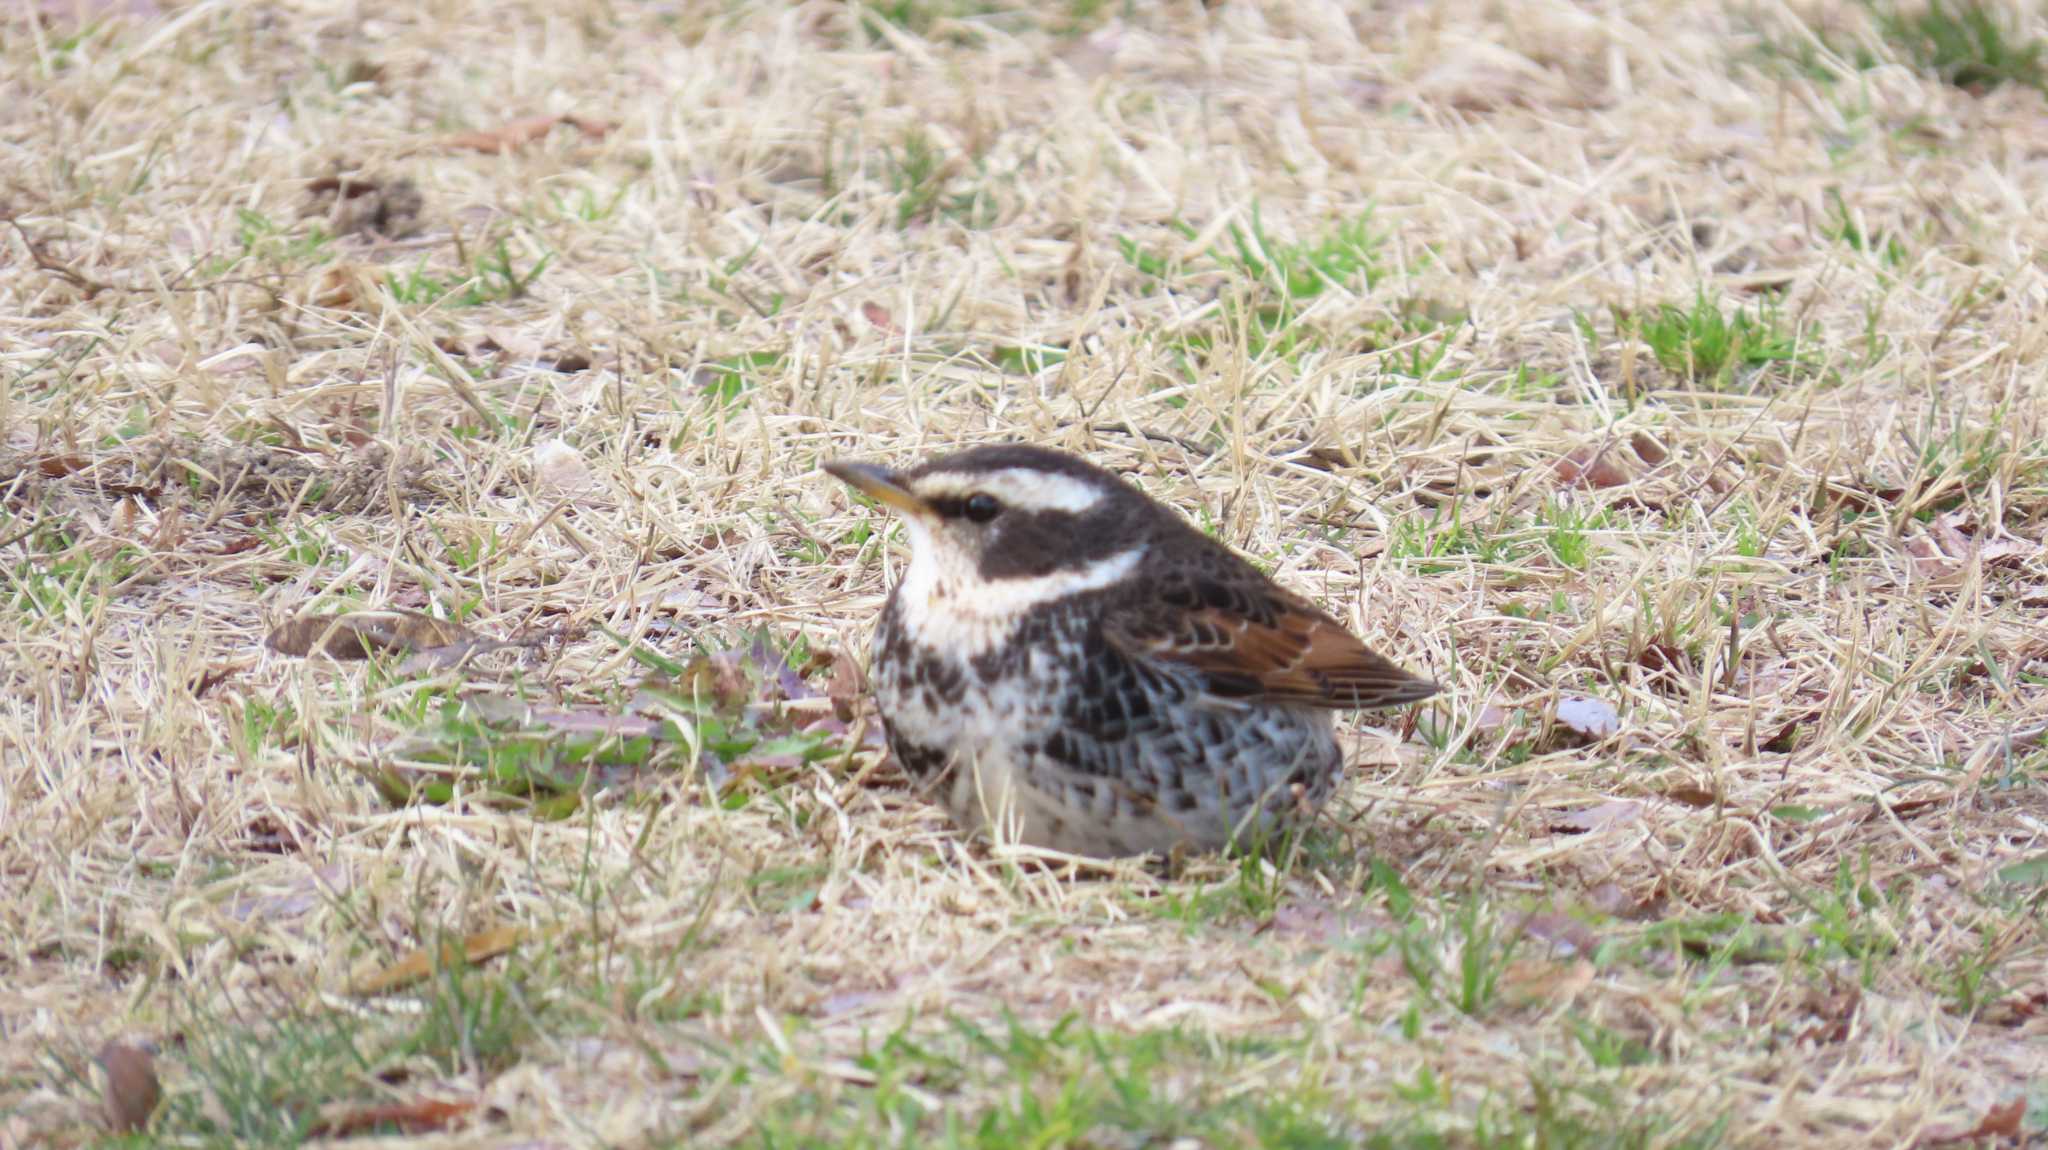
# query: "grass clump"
x,y
1968,43
1073,1084
1269,286
497,275
1704,345
1346,255
1065,1084
922,177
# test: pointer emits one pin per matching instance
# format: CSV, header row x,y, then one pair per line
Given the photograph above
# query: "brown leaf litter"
x,y
132,1091
415,965
513,134
363,634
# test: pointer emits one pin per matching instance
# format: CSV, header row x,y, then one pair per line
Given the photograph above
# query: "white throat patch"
x,y
944,601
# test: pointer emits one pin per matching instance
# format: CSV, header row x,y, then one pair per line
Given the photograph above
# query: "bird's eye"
x,y
982,507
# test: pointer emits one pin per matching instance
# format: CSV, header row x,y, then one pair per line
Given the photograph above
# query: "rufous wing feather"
x,y
1274,647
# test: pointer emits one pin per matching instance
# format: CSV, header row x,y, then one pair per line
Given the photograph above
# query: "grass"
x,y
1975,45
1969,43
1702,344
1071,1083
496,275
1269,286
1642,381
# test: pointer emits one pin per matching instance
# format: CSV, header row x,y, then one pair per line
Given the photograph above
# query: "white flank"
x,y
1018,487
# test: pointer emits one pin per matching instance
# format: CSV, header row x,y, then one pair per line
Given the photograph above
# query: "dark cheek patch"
x,y
1025,544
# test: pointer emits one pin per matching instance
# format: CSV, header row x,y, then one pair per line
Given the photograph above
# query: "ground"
x,y
1664,378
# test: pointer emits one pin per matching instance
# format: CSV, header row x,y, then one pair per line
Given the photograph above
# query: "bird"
x,y
1069,665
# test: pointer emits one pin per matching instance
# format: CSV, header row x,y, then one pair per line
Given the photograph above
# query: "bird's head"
x,y
1000,514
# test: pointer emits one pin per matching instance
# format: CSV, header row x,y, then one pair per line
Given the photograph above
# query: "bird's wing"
x,y
1253,640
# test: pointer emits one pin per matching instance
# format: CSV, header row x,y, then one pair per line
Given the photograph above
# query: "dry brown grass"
x,y
1794,901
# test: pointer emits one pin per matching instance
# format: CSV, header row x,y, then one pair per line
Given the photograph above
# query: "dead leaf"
x,y
1954,533
1610,898
341,288
1648,449
170,530
354,204
1614,813
1093,55
415,965
560,472
771,667
239,545
517,133
1587,717
843,685
1911,807
842,1003
879,316
1697,798
1592,467
1947,530
1662,657
1532,982
214,676
1664,661
360,634
1787,737
1071,274
1492,717
1317,918
340,187
512,341
719,679
504,137
267,834
362,72
59,466
132,1089
1929,562
2001,1121
1834,1012
437,658
571,362
1566,935
343,1119
301,896
2007,552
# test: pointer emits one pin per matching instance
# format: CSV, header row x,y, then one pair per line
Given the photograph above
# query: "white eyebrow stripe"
x,y
1020,487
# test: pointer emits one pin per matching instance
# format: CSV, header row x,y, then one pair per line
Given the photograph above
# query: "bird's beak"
x,y
878,483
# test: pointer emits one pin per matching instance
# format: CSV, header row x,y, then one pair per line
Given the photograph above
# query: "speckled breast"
x,y
1053,740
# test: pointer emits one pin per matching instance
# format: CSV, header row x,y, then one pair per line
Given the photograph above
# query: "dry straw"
x,y
1662,369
